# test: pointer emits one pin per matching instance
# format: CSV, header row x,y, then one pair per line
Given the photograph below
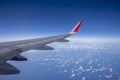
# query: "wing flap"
x,y
63,40
45,47
19,58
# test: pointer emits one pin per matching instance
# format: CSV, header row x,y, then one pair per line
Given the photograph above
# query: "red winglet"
x,y
76,28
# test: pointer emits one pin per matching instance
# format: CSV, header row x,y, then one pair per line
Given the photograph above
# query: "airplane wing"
x,y
12,50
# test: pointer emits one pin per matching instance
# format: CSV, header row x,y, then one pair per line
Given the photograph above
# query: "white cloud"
x,y
73,75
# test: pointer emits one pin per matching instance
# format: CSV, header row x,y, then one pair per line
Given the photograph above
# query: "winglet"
x,y
76,28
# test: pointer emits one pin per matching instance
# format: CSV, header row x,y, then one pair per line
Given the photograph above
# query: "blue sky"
x,y
101,18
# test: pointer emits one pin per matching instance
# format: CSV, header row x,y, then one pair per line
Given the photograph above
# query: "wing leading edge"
x,y
12,50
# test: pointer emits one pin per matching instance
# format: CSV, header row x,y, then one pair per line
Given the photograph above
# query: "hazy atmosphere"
x,y
34,18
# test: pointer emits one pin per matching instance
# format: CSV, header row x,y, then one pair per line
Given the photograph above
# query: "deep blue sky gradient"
x,y
101,18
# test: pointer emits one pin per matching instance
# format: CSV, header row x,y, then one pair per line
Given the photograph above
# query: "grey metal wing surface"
x,y
12,50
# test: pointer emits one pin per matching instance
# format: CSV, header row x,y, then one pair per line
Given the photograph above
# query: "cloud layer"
x,y
81,59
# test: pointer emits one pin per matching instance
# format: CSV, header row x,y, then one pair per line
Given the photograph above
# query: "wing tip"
x,y
76,28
